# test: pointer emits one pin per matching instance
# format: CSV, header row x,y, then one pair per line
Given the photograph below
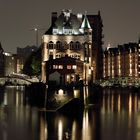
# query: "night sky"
x,y
121,19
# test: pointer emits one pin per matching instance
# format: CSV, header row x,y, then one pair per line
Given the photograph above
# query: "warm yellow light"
x,y
60,130
60,92
76,93
74,67
130,104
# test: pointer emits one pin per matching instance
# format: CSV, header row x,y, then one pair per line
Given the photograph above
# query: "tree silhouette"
x,y
32,65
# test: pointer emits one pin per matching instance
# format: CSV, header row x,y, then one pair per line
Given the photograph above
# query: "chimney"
x,y
54,17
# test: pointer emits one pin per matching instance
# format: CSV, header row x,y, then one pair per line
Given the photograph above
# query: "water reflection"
x,y
86,127
115,115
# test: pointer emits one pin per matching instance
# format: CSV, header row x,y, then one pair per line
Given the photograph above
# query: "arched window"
x,y
64,45
58,45
77,45
50,45
71,45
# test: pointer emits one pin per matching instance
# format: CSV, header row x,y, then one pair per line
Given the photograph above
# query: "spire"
x,y
85,23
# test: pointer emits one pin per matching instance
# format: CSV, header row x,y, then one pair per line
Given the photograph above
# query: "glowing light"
x,y
86,127
5,99
74,131
68,78
35,29
119,103
79,15
108,46
130,104
74,67
76,93
89,71
60,130
61,92
17,99
43,129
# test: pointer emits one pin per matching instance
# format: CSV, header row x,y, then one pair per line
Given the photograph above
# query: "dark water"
x,y
115,116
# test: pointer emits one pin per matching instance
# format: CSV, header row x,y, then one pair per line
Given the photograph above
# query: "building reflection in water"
x,y
43,129
19,120
117,100
86,126
85,94
120,108
5,99
74,128
116,115
60,129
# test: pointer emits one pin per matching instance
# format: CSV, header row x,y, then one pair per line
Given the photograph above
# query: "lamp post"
x,y
36,35
36,30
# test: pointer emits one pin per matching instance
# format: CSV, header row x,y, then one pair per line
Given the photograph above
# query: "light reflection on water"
x,y
115,116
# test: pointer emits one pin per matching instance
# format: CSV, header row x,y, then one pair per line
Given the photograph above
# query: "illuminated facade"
x,y
123,61
71,36
10,64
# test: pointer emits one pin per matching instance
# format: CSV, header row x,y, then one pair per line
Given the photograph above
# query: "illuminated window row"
x,y
61,67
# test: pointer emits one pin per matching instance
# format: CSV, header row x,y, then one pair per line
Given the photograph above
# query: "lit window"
x,y
55,66
74,67
55,31
50,45
60,66
68,66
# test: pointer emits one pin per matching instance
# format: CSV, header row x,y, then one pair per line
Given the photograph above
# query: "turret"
x,y
85,26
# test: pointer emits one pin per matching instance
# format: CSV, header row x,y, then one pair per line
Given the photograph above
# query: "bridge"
x,y
16,80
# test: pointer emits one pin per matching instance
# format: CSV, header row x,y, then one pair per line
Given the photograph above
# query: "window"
x,y
60,67
71,45
64,45
77,45
50,45
58,45
55,66
55,31
74,67
68,66
58,56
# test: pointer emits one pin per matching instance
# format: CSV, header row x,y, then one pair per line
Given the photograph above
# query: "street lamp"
x,y
36,30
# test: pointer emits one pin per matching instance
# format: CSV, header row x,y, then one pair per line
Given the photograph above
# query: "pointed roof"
x,y
85,23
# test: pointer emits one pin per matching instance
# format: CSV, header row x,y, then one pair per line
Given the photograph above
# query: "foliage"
x,y
32,65
35,65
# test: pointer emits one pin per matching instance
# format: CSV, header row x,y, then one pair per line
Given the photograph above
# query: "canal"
x,y
114,115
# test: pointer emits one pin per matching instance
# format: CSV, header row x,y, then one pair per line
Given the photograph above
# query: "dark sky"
x,y
121,19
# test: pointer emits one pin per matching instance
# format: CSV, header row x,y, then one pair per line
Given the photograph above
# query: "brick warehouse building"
x,y
74,36
122,62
